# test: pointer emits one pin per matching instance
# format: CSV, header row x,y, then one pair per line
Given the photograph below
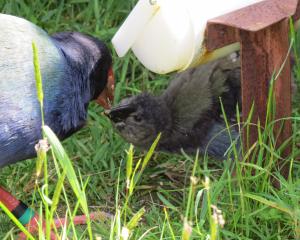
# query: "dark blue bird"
x,y
75,68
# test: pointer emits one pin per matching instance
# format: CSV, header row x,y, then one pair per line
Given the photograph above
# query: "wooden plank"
x,y
258,16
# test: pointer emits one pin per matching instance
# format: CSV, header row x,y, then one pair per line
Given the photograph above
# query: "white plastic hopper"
x,y
168,35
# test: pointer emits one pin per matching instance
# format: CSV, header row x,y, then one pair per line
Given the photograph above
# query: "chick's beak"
x,y
107,95
107,113
119,113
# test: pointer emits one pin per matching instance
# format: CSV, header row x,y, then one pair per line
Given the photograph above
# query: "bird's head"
x,y
92,59
102,76
139,119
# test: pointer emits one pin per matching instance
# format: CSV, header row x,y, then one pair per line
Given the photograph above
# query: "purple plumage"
x,y
75,70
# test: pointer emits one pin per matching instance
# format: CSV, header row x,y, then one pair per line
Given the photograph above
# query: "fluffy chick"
x,y
187,113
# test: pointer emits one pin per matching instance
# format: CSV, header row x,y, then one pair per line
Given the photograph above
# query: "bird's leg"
x,y
23,213
30,220
61,222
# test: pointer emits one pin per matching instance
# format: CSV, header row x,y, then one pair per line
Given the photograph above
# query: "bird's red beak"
x,y
107,95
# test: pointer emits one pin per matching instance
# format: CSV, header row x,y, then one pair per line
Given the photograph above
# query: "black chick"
x,y
187,113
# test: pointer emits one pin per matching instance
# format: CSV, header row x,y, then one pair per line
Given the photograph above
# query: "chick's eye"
x,y
137,118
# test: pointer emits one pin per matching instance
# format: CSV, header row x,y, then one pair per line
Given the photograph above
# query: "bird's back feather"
x,y
20,122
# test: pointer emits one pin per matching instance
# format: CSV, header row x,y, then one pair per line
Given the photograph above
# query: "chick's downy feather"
x,y
187,113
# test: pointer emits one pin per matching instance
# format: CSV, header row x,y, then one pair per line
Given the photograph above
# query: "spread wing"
x,y
196,91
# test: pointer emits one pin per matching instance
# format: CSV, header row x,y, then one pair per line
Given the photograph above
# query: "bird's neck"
x,y
75,95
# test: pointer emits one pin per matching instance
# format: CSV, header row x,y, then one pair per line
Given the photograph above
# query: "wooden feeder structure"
x,y
262,30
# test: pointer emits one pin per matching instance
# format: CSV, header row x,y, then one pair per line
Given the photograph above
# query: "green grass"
x,y
170,195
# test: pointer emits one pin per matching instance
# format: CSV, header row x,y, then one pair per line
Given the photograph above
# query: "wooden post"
x,y
262,29
263,53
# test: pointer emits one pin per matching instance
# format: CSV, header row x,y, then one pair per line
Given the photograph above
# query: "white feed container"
x,y
167,35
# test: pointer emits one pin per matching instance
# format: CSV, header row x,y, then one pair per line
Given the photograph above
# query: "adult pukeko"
x,y
75,68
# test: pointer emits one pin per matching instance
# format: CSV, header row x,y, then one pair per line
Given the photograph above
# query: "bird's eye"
x,y
137,118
